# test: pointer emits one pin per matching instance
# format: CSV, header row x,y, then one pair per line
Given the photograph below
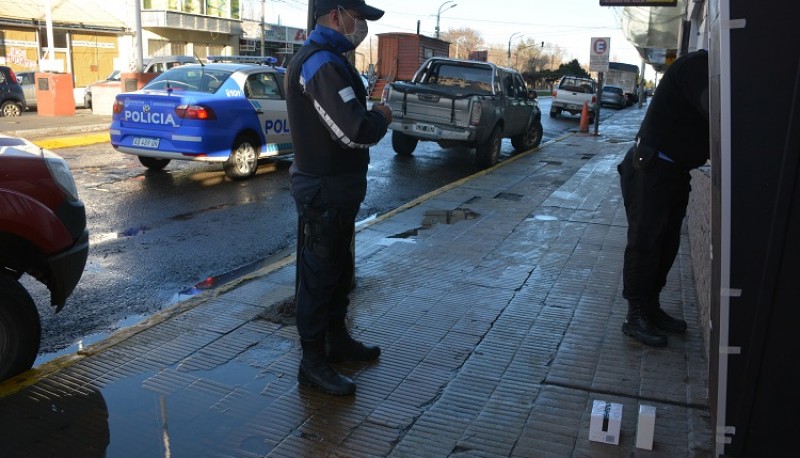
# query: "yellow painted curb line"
x,y
73,140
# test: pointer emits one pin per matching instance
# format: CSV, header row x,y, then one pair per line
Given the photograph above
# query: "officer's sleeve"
x,y
693,80
336,103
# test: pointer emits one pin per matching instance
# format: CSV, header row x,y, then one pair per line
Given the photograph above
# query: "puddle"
x,y
543,218
433,217
88,340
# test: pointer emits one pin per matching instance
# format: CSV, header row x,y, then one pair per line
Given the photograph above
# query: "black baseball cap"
x,y
370,13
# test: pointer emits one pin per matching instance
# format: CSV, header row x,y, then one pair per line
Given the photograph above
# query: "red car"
x,y
43,234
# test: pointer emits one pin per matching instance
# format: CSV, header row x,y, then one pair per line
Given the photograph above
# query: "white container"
x,y
605,423
646,427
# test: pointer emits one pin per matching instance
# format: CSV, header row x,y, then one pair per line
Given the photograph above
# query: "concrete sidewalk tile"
x,y
369,439
393,414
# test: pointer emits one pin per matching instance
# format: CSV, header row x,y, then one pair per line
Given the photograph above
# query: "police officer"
x,y
654,179
332,130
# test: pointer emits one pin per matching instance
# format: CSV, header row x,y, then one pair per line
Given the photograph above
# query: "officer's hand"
x,y
384,110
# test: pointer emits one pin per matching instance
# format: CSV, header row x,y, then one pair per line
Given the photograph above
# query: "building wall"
x,y
698,220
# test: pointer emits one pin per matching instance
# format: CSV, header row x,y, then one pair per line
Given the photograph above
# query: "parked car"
x,y
233,112
614,96
42,234
457,102
158,64
12,99
113,78
571,94
26,81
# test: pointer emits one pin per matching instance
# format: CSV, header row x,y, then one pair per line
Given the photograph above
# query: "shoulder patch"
x,y
347,94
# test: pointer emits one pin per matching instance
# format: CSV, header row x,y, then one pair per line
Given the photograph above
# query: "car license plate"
x,y
146,142
427,128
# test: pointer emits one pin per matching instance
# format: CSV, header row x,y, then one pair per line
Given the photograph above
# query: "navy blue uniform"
x,y
654,176
331,130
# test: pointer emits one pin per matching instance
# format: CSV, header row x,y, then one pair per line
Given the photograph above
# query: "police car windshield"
x,y
190,78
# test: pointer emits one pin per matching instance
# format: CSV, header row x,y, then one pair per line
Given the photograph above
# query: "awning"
x,y
654,32
72,14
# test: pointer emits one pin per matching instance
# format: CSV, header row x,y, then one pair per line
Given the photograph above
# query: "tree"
x,y
572,67
463,41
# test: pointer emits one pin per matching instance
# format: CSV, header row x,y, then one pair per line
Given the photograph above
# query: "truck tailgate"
x,y
442,107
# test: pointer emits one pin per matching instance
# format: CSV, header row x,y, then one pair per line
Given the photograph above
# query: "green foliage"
x,y
542,77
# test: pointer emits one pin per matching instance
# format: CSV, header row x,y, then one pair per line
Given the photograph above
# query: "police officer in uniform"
x,y
654,179
332,130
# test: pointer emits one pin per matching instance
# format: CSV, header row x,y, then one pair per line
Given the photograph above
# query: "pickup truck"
x,y
462,102
42,234
571,93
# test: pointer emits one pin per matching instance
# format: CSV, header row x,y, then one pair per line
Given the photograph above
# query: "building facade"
x,y
92,38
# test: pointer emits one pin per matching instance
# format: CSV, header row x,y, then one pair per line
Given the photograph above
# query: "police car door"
x,y
266,95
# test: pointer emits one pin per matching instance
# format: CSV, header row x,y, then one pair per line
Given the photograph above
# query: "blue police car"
x,y
232,112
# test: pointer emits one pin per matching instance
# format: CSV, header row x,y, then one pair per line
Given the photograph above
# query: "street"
x,y
160,237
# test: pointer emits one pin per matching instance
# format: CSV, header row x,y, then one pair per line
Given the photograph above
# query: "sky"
x,y
568,24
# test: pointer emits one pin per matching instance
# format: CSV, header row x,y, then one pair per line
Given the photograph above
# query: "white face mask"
x,y
360,30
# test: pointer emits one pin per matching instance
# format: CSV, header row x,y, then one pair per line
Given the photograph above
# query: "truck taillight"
x,y
554,93
475,117
194,112
594,99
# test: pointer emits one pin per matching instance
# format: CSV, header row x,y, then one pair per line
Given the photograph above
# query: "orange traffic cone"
x,y
584,126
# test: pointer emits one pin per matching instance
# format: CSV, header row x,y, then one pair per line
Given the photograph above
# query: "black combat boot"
x,y
638,325
665,322
315,372
343,347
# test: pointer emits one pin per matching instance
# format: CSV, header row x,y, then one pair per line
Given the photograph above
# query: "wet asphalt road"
x,y
157,238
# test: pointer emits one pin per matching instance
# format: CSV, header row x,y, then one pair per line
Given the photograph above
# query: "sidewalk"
x,y
33,126
496,301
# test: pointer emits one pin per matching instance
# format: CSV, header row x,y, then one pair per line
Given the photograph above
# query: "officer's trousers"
x,y
656,195
325,266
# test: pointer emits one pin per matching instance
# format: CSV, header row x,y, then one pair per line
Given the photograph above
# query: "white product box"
x,y
646,427
605,422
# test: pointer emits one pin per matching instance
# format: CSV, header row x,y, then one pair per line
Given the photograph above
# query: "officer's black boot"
x,y
315,372
665,322
341,346
638,325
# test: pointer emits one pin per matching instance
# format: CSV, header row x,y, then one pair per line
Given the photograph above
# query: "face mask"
x,y
360,31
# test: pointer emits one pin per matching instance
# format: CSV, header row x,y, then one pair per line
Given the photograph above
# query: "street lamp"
x,y
508,64
439,13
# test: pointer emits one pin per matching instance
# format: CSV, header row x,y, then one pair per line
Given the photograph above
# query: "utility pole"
x,y
262,28
439,13
508,63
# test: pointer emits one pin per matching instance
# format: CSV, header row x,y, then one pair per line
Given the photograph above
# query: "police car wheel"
x,y
243,161
153,163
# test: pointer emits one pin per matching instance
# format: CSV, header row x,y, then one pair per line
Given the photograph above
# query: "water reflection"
x,y
35,423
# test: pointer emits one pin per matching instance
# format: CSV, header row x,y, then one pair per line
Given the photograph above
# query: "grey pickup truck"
x,y
463,102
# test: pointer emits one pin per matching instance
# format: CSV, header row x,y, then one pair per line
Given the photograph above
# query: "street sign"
x,y
598,56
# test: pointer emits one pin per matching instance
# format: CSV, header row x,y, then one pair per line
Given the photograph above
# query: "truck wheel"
x,y
243,161
403,144
19,328
487,153
554,113
528,139
153,163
